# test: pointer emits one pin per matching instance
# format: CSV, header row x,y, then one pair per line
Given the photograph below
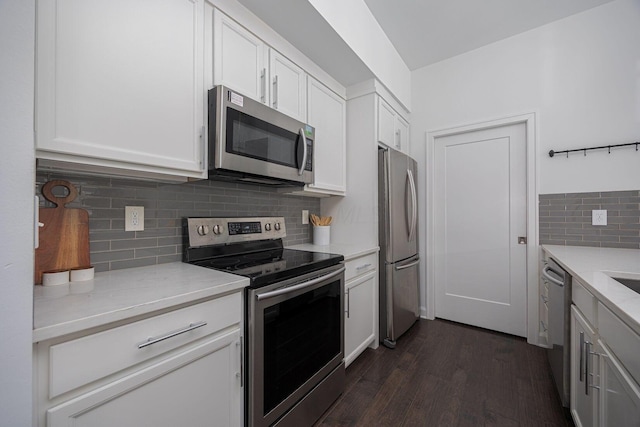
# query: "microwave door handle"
x,y
304,152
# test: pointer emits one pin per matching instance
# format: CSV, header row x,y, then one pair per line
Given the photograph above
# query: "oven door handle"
x,y
302,285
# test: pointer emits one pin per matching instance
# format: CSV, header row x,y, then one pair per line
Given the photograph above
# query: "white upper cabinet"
x,y
393,130
386,123
120,85
240,58
327,114
402,135
243,62
288,86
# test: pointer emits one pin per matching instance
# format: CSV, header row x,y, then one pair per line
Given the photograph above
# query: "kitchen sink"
x,y
633,284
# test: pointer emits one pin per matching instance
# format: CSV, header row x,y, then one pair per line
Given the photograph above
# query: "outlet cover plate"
x,y
134,218
305,217
599,217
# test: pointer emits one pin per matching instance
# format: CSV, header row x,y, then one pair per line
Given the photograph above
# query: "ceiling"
x,y
422,31
427,31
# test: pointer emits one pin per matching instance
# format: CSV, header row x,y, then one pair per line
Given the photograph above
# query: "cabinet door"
x,y
239,58
620,405
327,116
386,124
360,317
402,135
198,387
288,86
584,398
121,84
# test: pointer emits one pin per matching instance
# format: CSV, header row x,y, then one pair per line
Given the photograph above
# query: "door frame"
x,y
531,132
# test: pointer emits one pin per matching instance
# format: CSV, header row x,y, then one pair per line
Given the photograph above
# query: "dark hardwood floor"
x,y
447,374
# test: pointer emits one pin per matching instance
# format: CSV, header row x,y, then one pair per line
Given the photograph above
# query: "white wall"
x,y
354,22
17,35
580,74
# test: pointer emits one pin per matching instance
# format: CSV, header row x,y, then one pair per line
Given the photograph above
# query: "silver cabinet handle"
x,y
263,86
411,264
587,344
546,273
304,152
398,139
152,340
363,266
581,356
275,91
302,285
348,302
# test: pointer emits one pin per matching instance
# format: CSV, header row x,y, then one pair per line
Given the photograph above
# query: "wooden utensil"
x,y
320,220
64,237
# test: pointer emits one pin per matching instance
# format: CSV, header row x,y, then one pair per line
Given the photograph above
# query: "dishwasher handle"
x,y
547,274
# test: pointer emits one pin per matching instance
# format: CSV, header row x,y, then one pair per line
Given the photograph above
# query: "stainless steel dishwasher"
x,y
559,326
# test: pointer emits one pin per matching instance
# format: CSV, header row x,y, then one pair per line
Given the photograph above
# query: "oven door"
x,y
255,139
295,341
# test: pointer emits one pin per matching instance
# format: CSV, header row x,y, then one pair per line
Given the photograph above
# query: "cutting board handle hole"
x,y
60,192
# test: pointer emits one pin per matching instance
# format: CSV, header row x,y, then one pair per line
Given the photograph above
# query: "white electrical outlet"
x,y
598,217
305,217
134,218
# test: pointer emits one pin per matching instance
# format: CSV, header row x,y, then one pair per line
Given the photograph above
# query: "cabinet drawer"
x,y
622,340
586,302
81,361
360,265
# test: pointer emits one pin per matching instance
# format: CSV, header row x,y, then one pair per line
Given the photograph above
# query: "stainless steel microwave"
x,y
251,142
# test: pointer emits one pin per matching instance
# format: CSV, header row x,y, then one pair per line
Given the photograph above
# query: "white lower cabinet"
x,y
604,368
183,367
361,302
619,393
197,387
584,398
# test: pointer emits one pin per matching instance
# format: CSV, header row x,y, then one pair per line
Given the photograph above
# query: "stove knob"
x,y
267,227
217,229
277,226
203,230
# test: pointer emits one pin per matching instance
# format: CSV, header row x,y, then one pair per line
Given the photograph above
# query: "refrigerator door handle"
x,y
411,264
414,205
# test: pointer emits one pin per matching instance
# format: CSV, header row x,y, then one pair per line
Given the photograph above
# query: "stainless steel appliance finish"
x,y
398,235
253,143
294,316
559,283
295,343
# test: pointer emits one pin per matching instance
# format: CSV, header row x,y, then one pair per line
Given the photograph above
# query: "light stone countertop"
x,y
594,268
348,251
121,294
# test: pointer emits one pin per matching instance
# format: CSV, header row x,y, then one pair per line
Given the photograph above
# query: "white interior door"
x,y
479,214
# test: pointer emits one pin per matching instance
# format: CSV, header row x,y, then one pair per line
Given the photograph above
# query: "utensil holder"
x,y
321,235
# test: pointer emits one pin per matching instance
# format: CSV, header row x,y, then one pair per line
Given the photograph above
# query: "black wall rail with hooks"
x,y
609,147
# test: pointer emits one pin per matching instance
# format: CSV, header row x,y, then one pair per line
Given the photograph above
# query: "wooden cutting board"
x,y
64,237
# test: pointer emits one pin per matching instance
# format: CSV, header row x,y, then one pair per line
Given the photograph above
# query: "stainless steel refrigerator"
x,y
398,236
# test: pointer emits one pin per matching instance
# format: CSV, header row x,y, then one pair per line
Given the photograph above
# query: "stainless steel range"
x,y
294,316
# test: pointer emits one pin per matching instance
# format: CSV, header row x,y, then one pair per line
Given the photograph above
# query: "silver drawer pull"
x,y
191,327
363,266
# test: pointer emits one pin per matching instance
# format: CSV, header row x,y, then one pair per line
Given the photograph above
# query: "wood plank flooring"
x,y
447,374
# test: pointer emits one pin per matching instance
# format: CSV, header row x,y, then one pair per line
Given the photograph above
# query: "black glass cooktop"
x,y
271,266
